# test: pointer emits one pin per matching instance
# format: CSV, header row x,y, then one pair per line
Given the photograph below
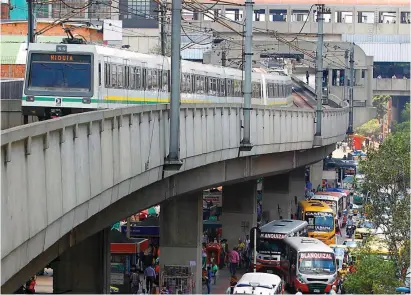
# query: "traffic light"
x,y
252,232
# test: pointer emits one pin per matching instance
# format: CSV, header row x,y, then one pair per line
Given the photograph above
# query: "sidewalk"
x,y
223,281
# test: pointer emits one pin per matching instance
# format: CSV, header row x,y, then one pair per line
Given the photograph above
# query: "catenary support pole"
x,y
173,159
319,68
350,130
246,143
255,250
347,67
163,34
30,20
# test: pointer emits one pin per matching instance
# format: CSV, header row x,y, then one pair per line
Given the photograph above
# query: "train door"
x,y
263,90
126,82
144,81
105,92
100,81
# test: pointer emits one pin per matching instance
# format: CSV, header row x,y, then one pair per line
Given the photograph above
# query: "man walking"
x,y
150,276
234,260
134,281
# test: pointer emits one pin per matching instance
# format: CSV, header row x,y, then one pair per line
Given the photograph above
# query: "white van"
x,y
259,283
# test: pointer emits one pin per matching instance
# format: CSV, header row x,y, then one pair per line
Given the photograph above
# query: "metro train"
x,y
70,78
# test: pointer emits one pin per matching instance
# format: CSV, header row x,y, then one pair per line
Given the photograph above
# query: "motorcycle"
x,y
350,230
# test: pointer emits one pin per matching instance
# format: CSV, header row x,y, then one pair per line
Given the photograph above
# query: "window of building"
x,y
259,15
278,15
212,14
234,14
59,9
299,15
366,17
42,10
345,17
327,17
405,17
102,10
135,9
387,17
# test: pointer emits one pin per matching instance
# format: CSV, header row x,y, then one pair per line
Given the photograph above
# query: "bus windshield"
x,y
316,263
60,72
320,221
270,246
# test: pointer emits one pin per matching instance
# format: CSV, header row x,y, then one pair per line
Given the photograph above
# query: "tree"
x,y
387,179
380,103
372,127
157,49
373,274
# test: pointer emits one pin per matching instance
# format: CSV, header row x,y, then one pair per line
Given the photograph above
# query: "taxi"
x,y
364,229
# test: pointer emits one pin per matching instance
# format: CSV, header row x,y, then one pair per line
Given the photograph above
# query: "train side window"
x,y
137,77
222,87
127,77
281,90
107,74
276,90
165,81
113,76
132,78
148,79
99,73
120,80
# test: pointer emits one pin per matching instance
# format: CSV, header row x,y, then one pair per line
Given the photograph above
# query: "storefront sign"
x,y
214,197
117,274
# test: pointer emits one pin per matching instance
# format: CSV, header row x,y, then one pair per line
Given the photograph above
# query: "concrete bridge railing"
x,y
391,86
57,174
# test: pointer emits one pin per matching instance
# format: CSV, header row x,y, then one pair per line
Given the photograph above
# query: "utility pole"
x,y
173,162
30,20
163,29
319,67
248,44
346,75
350,130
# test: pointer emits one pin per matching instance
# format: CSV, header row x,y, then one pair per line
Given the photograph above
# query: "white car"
x,y
259,283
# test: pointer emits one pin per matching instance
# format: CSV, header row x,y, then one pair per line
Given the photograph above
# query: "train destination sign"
x,y
272,236
76,58
316,256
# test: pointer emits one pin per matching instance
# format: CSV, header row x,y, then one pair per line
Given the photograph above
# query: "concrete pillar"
x,y
84,268
316,174
281,194
181,227
369,80
239,210
358,77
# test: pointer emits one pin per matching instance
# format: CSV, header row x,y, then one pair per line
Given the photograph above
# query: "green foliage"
x,y
380,103
387,178
405,113
372,127
372,274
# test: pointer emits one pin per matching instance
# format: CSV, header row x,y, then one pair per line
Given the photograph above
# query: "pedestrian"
x,y
234,260
30,286
233,283
215,271
307,76
134,281
141,266
333,290
208,279
150,275
299,292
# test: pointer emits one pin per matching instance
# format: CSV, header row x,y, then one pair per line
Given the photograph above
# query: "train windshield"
x,y
316,263
60,72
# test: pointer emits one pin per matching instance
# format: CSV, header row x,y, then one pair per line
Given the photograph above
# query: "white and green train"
x,y
69,78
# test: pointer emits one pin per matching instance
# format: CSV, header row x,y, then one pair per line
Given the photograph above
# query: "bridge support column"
x,y
281,194
316,174
239,210
84,268
181,227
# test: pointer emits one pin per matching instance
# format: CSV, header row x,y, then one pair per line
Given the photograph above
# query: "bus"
x,y
336,200
311,267
270,250
320,218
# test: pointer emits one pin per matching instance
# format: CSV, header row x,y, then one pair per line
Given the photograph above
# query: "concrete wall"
x,y
11,114
391,86
57,174
142,40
